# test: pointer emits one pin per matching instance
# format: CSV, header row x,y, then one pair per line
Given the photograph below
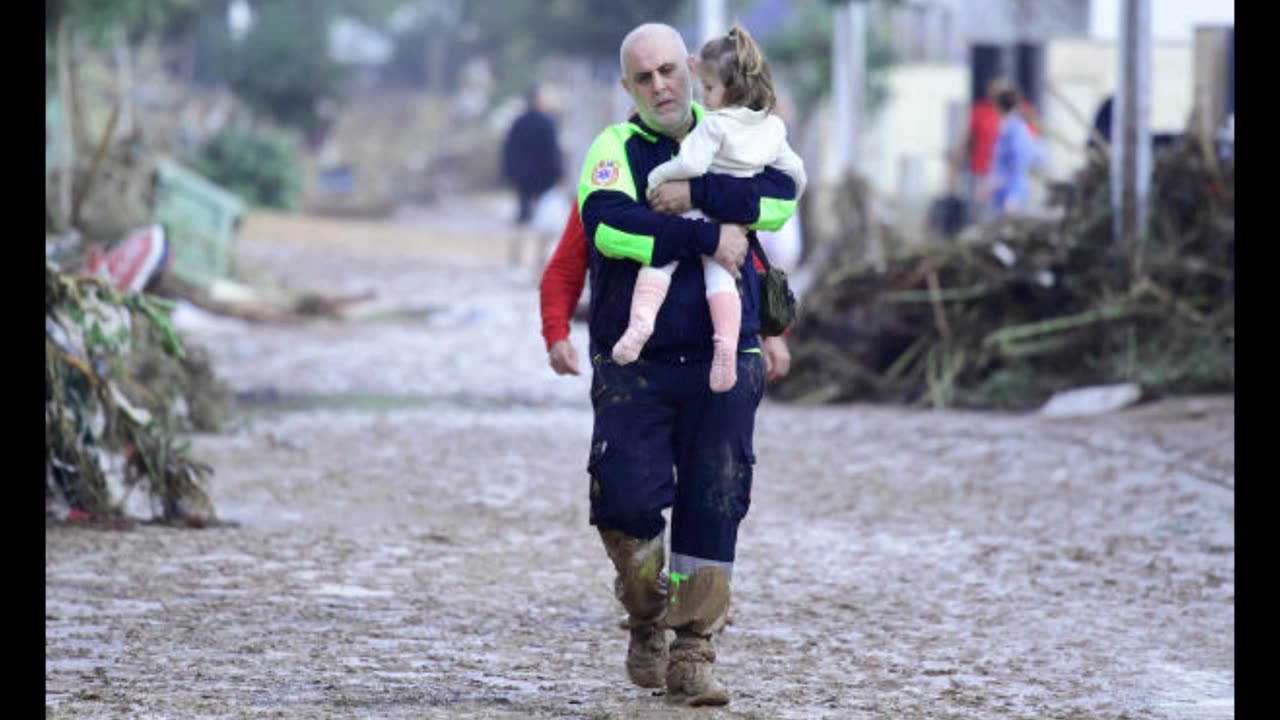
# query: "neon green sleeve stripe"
x,y
614,243
774,213
606,167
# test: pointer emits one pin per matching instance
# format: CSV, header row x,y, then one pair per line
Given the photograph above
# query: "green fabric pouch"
x,y
777,302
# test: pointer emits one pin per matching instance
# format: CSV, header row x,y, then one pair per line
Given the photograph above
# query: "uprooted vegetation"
x,y
1019,308
113,406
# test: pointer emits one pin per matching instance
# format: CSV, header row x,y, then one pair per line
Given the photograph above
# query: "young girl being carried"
x,y
736,136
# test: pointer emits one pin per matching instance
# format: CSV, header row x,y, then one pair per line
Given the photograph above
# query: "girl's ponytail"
x,y
750,58
742,68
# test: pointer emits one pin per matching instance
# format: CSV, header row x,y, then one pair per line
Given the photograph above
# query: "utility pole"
x,y
848,72
848,76
711,22
1131,153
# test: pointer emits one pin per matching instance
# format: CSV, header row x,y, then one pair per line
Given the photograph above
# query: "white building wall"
x,y
1084,73
911,128
911,132
1173,20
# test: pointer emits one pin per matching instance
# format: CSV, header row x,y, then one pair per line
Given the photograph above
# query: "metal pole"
x,y
848,69
1131,161
711,20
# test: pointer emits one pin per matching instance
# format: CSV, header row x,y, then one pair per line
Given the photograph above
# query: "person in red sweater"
x,y
561,287
559,291
971,158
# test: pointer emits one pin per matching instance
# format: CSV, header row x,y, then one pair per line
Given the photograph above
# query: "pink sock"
x,y
650,291
726,318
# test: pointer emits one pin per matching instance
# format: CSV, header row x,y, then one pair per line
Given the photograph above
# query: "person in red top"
x,y
561,287
978,145
559,291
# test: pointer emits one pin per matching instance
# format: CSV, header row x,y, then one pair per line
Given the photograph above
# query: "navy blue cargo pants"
x,y
662,439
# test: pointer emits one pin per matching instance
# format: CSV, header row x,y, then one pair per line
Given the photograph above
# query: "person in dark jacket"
x,y
1102,125
531,163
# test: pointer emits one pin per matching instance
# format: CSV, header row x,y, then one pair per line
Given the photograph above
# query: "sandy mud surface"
x,y
412,542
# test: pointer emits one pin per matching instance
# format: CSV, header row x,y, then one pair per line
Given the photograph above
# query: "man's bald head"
x,y
650,30
657,74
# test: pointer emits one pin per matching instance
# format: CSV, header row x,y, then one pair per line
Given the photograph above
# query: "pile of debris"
x,y
111,452
1020,308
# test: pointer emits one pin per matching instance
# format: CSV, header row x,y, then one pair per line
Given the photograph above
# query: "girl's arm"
x,y
764,201
791,164
696,152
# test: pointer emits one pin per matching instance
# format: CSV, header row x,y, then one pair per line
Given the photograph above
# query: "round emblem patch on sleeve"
x,y
605,173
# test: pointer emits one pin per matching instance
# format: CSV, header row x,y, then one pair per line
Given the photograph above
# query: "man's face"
x,y
658,80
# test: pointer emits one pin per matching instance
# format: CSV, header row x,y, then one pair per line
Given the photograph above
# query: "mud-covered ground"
x,y
412,542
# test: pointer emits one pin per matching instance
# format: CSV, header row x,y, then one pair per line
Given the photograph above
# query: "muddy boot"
x,y
641,587
647,656
689,677
699,609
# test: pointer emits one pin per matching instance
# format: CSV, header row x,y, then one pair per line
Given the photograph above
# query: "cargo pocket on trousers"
x,y
598,449
597,385
746,473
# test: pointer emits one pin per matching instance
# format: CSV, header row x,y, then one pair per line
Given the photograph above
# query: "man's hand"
x,y
732,250
563,358
671,197
777,358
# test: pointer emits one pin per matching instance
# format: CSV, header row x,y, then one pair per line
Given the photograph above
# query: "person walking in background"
x,y
1101,127
532,164
971,158
1015,155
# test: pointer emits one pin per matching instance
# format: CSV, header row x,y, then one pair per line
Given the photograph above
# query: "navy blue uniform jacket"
x,y
624,233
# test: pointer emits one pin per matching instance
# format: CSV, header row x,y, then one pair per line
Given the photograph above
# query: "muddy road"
x,y
412,540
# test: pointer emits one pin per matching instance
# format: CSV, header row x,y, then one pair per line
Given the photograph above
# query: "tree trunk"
x,y
67,156
78,127
124,85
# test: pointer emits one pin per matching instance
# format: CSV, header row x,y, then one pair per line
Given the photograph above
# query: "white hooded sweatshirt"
x,y
735,141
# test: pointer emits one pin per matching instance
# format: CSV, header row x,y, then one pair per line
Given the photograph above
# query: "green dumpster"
x,y
200,221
